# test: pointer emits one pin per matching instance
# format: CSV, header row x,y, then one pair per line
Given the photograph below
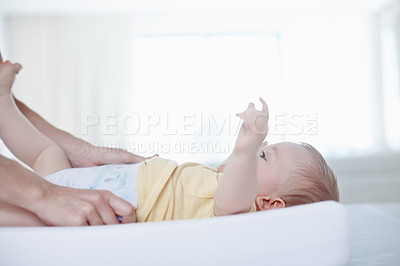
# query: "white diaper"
x,y
117,178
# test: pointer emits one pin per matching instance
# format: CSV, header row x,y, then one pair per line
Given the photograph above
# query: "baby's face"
x,y
275,163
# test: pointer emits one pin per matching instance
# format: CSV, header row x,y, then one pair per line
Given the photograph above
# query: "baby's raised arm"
x,y
237,190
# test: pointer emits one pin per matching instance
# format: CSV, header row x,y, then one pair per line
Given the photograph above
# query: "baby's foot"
x,y
8,71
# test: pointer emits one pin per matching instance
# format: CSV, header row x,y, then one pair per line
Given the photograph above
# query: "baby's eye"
x,y
263,155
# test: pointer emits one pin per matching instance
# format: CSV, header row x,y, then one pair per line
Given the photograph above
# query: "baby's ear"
x,y
279,203
265,203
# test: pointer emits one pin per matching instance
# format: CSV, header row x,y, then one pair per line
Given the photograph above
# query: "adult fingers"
x,y
105,212
128,157
116,156
122,208
129,218
87,214
155,155
94,218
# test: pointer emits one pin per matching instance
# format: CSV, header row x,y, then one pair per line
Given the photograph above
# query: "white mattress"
x,y
313,234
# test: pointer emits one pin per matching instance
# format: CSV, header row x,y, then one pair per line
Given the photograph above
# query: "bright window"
x,y
391,87
189,87
192,86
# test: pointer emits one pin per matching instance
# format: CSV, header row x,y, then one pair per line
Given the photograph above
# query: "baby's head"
x,y
291,174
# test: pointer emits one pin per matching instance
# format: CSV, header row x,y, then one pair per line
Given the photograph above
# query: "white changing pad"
x,y
313,234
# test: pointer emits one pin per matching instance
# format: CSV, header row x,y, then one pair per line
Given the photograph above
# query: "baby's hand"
x,y
254,128
8,71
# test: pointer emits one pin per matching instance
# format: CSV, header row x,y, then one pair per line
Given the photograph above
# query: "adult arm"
x,y
56,205
79,152
237,190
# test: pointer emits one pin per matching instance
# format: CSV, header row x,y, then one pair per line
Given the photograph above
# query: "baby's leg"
x,y
11,215
20,136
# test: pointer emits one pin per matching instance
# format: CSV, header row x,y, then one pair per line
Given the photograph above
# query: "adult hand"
x,y
76,207
83,154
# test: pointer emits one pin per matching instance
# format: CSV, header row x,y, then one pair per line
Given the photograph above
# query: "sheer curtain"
x,y
77,71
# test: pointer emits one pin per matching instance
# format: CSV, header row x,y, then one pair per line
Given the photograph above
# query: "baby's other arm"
x,y
237,190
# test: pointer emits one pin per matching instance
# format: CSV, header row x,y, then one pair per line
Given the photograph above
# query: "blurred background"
x,y
168,77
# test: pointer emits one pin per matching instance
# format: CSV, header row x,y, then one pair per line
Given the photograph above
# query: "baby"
x,y
255,177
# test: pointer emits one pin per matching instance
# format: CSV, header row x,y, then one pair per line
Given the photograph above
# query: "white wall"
x,y
368,178
3,35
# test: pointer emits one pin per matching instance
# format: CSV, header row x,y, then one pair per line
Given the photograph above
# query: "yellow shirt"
x,y
167,191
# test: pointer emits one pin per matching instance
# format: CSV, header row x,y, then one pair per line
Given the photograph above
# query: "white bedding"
x,y
313,234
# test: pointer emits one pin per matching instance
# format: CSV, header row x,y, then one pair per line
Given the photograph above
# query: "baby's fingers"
x,y
240,115
264,105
